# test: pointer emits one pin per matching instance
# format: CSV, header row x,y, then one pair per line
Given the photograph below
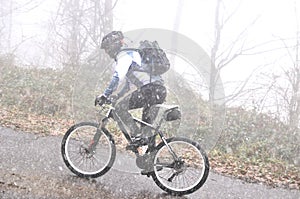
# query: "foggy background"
x,y
51,67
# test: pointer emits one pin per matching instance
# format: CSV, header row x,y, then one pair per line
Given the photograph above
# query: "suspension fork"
x,y
97,136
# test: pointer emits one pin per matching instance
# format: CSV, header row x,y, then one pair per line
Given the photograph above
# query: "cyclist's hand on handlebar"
x,y
100,100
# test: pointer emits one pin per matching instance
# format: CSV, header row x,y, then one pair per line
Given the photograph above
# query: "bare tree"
x,y
284,87
293,77
6,16
222,56
287,85
77,29
74,41
9,9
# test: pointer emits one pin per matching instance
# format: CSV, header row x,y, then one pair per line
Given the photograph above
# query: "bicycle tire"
x,y
195,170
75,156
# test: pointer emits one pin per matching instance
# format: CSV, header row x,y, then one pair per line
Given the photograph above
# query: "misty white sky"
x,y
193,18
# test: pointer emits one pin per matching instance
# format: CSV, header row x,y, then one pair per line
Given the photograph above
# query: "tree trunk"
x,y
214,50
108,13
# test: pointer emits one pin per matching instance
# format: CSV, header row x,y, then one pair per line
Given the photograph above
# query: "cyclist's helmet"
x,y
112,43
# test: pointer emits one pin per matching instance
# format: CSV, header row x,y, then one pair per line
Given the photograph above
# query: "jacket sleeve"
x,y
123,62
113,85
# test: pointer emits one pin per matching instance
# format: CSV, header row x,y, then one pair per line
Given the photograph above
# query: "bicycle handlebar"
x,y
103,100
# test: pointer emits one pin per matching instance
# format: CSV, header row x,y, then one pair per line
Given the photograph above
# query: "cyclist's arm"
x,y
112,86
123,63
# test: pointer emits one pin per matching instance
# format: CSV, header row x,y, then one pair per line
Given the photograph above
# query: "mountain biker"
x,y
149,89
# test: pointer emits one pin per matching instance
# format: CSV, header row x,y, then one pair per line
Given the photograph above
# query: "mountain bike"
x,y
177,165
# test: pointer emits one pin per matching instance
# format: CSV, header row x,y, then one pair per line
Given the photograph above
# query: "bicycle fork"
x,y
92,146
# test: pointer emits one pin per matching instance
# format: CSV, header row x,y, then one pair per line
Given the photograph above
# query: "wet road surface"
x,y
31,167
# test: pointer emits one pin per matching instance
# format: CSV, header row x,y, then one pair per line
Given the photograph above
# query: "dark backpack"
x,y
154,59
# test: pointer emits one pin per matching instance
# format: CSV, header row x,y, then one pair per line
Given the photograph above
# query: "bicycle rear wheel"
x,y
184,175
80,157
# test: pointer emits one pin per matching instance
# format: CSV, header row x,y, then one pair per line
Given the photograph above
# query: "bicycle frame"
x,y
112,114
89,150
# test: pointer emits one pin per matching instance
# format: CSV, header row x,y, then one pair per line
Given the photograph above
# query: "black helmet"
x,y
112,43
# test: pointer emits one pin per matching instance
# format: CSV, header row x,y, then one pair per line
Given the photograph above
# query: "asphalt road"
x,y
31,167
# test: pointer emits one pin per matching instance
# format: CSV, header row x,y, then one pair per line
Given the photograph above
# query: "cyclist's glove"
x,y
100,100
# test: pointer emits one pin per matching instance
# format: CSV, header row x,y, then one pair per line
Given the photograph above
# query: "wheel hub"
x,y
179,165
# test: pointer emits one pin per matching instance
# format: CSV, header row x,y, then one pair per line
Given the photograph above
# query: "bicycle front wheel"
x,y
88,151
180,168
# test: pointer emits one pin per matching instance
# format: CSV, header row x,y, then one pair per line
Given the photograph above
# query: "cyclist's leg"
x,y
145,97
131,101
153,94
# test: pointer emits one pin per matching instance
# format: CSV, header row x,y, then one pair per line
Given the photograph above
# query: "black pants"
x,y
144,97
